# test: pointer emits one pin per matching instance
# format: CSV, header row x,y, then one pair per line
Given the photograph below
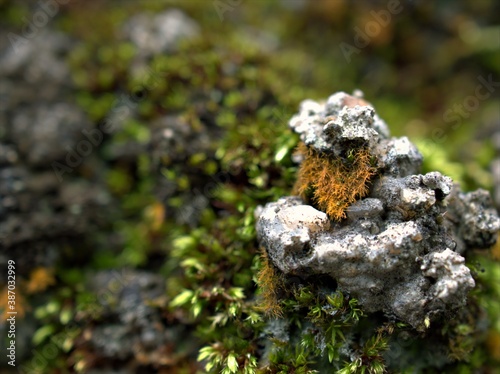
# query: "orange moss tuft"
x,y
155,216
270,283
332,183
40,279
493,344
495,251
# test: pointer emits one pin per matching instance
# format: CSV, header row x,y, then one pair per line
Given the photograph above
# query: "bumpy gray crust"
x,y
399,250
338,124
476,222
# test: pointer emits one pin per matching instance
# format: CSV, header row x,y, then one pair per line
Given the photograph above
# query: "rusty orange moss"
x,y
331,183
40,279
493,344
495,251
270,282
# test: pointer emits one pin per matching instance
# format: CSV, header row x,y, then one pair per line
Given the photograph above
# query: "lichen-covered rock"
x,y
474,219
400,249
338,123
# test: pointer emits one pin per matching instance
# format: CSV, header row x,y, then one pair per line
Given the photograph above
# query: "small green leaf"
x,y
197,307
232,364
205,352
341,334
184,243
237,292
332,353
183,298
233,309
253,318
65,315
209,366
280,155
67,345
192,262
42,333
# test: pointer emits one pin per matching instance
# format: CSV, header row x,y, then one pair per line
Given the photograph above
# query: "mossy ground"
x,y
211,269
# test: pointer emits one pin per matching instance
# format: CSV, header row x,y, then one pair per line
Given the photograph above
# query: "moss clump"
x,y
331,183
270,282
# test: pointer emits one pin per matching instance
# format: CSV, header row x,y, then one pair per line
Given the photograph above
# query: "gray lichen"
x,y
400,248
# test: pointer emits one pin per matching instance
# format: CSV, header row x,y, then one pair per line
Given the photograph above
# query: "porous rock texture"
x,y
400,249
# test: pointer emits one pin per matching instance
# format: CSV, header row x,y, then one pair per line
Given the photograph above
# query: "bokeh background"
x,y
137,138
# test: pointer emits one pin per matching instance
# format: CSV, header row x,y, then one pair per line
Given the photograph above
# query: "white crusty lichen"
x,y
400,247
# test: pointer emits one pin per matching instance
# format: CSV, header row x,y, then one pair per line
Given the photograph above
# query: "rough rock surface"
x,y
400,249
